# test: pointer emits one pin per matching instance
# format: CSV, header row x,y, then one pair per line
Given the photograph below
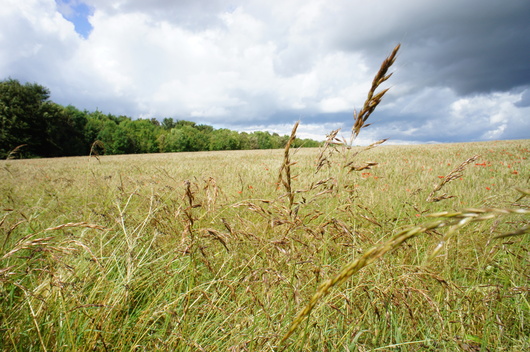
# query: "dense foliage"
x,y
28,117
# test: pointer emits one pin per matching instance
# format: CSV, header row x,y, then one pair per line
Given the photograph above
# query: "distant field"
x,y
211,251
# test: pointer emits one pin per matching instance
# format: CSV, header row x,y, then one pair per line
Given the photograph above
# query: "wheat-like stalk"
x,y
453,175
12,154
94,149
368,164
326,151
284,175
454,220
373,99
77,224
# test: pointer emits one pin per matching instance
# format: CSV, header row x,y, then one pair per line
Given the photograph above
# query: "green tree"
x,y
115,138
168,123
184,139
95,123
244,141
206,129
143,133
183,123
276,141
62,133
224,139
78,120
21,116
263,139
305,143
161,141
27,116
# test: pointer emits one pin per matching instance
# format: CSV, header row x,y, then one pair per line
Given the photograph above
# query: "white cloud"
x,y
488,114
214,73
250,63
34,38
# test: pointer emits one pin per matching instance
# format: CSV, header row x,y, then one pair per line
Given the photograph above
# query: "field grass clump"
x,y
204,251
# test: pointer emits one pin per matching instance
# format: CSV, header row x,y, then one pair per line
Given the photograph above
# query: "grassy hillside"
x,y
212,251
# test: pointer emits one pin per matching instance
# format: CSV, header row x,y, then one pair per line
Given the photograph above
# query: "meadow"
x,y
394,248
341,248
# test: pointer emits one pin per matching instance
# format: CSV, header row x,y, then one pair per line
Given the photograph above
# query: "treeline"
x,y
28,117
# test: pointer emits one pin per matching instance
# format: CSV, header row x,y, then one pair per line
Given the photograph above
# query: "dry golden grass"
x,y
285,177
453,175
200,250
454,220
373,99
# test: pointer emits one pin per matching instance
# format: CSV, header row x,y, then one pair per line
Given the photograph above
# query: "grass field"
x,y
212,251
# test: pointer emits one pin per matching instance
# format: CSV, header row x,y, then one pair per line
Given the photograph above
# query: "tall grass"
x,y
231,251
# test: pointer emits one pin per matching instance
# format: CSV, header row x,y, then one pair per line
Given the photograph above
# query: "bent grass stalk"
x,y
284,175
13,154
453,175
373,99
453,220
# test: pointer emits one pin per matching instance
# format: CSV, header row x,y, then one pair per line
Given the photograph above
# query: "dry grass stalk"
x,y
364,149
78,224
96,148
284,175
326,151
373,99
218,236
212,192
367,165
454,220
255,208
34,319
453,175
521,231
38,242
228,227
12,154
189,195
472,214
524,193
86,248
8,233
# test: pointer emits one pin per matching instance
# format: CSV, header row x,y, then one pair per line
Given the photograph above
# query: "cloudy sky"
x,y
462,74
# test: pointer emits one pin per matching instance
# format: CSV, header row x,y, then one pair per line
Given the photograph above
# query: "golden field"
x,y
213,251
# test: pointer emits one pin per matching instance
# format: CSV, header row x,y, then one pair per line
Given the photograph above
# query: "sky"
x,y
462,73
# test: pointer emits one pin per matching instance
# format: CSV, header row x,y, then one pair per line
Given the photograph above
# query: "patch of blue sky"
x,y
76,12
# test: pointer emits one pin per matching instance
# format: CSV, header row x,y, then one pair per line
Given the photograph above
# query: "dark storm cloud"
x,y
469,46
525,98
451,51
